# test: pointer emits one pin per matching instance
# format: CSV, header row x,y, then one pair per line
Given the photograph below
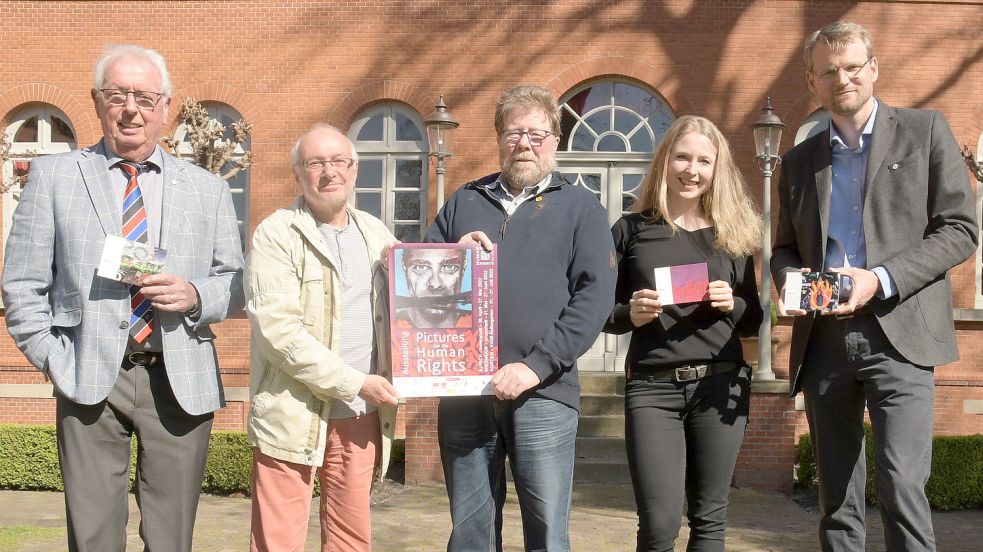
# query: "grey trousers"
x,y
94,453
849,364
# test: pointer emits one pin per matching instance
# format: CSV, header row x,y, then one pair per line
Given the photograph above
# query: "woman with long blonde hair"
x,y
688,388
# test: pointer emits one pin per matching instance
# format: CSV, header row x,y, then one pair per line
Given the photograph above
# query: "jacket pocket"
x,y
66,310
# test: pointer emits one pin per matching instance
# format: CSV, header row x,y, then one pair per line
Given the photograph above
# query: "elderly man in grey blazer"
x,y
883,198
126,359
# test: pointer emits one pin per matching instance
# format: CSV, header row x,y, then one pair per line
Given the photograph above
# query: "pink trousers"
x,y
282,493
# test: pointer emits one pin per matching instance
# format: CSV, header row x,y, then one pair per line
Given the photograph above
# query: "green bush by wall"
x,y
29,460
957,470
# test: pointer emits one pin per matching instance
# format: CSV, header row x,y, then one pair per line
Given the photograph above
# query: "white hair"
x,y
116,52
295,151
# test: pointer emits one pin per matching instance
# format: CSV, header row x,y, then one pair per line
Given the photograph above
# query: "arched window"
x,y
392,168
239,184
39,129
979,248
609,131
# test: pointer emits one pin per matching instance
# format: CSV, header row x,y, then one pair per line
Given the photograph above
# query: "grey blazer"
x,y
919,222
72,324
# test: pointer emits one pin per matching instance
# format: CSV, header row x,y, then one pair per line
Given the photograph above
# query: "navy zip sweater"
x,y
556,275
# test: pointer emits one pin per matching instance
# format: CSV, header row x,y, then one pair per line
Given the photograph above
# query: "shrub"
x,y
957,470
29,460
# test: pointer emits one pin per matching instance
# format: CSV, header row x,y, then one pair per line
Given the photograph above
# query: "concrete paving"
x,y
416,519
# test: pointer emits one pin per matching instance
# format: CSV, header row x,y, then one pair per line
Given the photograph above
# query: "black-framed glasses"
x,y
852,71
536,137
318,165
145,100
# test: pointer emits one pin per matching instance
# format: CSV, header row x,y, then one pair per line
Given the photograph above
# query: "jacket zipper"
x,y
497,203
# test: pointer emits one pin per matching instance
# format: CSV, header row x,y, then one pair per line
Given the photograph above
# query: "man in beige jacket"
x,y
321,401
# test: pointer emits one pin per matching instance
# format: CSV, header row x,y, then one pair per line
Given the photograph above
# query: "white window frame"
x,y
978,303
242,182
26,150
610,167
389,151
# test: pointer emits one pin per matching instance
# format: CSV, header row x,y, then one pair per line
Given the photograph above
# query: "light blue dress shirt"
x,y
845,245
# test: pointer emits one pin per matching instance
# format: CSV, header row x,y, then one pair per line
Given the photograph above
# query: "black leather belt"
x,y
145,358
685,373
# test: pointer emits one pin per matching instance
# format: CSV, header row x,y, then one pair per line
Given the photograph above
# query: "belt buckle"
x,y
689,373
142,358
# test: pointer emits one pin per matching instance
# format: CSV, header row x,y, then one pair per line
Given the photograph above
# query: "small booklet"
x,y
812,291
678,284
129,261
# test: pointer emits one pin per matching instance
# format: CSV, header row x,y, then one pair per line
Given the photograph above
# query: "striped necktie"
x,y
135,229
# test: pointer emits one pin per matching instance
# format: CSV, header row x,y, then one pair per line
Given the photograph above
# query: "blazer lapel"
x,y
822,165
177,188
881,139
95,174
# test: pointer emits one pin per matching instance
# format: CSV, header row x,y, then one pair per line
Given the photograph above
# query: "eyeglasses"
x,y
146,101
536,137
339,163
852,71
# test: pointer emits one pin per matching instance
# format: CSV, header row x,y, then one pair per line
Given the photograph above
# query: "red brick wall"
x,y
285,65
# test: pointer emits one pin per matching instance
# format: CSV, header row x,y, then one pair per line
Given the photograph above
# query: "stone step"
x,y
601,472
601,426
601,449
602,405
602,383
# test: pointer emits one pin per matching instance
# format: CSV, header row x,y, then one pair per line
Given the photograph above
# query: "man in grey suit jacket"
x,y
77,327
883,198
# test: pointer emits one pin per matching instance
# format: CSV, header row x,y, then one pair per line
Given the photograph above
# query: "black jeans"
x,y
684,438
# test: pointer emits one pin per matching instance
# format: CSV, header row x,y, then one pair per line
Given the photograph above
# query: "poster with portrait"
x,y
444,319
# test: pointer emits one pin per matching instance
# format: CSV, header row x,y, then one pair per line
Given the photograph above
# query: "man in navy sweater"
x,y
556,288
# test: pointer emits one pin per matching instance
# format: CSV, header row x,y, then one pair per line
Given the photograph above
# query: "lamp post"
x,y
440,131
767,132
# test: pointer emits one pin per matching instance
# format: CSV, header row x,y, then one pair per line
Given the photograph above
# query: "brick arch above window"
x,y
655,77
81,114
356,101
219,93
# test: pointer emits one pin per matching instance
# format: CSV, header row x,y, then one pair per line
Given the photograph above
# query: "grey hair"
x,y
837,35
295,151
114,53
525,97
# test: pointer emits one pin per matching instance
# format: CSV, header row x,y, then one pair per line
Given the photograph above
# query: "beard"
x,y
849,105
522,175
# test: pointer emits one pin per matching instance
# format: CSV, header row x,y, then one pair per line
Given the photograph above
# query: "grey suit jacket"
x,y
72,324
918,218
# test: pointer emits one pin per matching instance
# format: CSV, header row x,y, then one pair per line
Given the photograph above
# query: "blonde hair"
x,y
523,98
726,205
837,36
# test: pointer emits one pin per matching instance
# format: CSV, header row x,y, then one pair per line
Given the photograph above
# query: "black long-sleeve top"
x,y
692,333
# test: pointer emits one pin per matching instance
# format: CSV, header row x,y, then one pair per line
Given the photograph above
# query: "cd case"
x,y
812,291
129,261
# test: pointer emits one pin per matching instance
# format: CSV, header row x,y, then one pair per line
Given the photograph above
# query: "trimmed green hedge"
x,y
957,470
29,460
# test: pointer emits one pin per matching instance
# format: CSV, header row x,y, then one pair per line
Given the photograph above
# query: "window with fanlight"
x,y
609,131
39,129
978,303
238,184
392,169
